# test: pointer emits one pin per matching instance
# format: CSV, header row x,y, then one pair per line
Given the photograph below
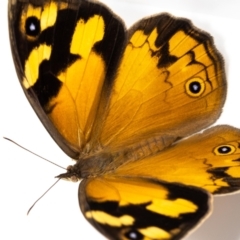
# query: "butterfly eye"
x,y
195,87
133,235
32,27
224,150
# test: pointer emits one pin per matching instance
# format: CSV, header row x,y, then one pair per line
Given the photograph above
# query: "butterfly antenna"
x,y
42,196
34,153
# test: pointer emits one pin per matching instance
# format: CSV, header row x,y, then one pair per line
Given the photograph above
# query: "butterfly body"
x,y
123,105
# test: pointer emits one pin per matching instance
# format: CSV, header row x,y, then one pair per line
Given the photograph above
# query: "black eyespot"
x,y
134,235
32,27
224,150
195,87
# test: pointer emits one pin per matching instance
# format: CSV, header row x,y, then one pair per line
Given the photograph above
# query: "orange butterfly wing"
x,y
65,54
170,84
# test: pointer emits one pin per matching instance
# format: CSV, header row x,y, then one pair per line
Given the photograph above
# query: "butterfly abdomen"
x,y
148,147
105,162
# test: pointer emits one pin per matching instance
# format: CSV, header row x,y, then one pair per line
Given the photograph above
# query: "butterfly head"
x,y
70,175
91,166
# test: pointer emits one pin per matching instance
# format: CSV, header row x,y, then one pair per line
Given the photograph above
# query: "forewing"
x,y
65,54
170,83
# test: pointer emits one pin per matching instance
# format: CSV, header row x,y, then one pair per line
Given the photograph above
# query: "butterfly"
x,y
124,105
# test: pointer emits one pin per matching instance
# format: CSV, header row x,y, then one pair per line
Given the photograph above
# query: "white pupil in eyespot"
x,y
32,27
224,149
195,87
133,235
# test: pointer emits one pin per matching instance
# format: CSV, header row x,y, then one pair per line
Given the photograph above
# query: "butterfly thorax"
x,y
91,166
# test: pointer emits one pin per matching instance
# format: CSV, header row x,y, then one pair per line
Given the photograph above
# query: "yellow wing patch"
x,y
105,218
155,233
38,55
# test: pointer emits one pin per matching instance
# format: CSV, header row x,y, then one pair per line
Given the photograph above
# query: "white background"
x,y
24,177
